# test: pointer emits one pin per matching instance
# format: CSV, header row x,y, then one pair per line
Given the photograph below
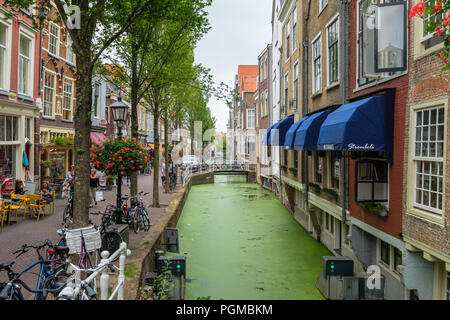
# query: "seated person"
x,y
19,189
46,192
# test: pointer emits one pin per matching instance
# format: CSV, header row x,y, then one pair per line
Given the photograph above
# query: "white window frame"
x,y
27,32
294,30
322,5
251,125
317,78
295,89
28,89
52,36
285,97
438,160
288,39
5,84
333,20
412,208
330,170
64,107
44,88
69,49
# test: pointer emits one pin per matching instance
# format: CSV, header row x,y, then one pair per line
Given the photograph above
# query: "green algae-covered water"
x,y
242,243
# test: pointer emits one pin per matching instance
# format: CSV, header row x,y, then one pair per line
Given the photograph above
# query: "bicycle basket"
x,y
92,239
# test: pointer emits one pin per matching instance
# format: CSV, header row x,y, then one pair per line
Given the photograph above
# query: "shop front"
x,y
16,141
56,155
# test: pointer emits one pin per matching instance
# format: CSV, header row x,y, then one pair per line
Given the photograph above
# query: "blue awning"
x,y
277,137
290,135
267,136
308,132
362,125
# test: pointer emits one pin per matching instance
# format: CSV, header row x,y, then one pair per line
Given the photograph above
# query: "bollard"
x,y
104,278
121,279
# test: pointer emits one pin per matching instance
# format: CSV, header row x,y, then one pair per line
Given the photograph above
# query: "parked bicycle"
x,y
110,238
47,280
68,213
140,213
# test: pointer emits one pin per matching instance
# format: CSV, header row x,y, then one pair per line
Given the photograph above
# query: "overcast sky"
x,y
240,30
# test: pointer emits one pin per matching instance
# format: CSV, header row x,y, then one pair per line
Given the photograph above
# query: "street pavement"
x,y
31,232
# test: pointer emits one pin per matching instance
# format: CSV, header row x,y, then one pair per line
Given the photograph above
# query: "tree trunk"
x,y
166,154
156,155
134,127
82,141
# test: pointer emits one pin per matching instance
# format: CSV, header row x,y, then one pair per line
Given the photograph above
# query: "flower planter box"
x,y
374,208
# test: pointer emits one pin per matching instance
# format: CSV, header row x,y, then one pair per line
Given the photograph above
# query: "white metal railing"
x,y
75,285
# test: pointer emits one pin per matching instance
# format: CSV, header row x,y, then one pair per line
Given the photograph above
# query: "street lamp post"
x,y
120,114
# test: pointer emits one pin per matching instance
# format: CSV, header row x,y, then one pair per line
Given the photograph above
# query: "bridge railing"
x,y
187,173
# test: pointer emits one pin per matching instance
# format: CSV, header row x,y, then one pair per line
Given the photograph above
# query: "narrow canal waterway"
x,y
242,243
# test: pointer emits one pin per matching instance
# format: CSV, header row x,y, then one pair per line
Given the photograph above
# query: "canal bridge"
x,y
249,170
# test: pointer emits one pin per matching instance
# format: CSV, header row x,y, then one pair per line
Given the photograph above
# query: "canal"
x,y
242,243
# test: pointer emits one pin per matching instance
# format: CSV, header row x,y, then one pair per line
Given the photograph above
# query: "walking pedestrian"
x,y
94,185
128,181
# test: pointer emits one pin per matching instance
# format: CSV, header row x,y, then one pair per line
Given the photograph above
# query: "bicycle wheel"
x,y
15,296
145,220
111,241
67,216
136,223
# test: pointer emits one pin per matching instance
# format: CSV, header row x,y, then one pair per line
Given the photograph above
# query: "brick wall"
x,y
427,82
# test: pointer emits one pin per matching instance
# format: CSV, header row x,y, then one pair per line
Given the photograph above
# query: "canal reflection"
x,y
242,243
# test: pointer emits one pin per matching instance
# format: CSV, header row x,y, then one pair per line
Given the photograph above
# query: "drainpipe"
x,y
305,153
344,98
279,147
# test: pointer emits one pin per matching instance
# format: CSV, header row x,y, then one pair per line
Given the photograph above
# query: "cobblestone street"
x,y
30,231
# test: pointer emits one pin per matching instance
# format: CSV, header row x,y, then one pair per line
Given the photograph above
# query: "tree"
x,y
101,23
140,55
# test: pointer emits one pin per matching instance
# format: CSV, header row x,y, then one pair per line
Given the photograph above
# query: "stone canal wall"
x,y
142,259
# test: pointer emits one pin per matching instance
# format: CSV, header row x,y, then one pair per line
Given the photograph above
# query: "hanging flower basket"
x,y
124,156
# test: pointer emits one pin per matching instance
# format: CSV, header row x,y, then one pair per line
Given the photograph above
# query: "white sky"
x,y
240,30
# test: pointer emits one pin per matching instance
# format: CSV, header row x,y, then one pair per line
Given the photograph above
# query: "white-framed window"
x,y
322,4
250,145
9,129
329,222
286,92
251,119
334,176
67,100
288,39
318,168
317,63
429,148
431,39
389,257
295,88
49,93
70,56
25,68
28,129
294,30
96,100
53,38
3,55
333,51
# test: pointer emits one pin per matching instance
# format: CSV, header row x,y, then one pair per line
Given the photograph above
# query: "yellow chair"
x,y
36,203
16,205
3,211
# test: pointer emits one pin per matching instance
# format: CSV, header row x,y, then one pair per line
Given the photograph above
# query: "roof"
x,y
248,73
